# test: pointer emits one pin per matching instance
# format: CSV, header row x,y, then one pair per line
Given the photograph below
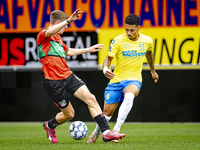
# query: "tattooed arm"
x,y
149,56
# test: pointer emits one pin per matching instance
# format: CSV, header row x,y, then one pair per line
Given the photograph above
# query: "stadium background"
x,y
172,24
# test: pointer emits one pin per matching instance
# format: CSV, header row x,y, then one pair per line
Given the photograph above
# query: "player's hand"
x,y
155,76
75,15
95,48
109,74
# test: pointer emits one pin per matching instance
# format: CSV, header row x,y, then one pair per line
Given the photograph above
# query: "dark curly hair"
x,y
132,19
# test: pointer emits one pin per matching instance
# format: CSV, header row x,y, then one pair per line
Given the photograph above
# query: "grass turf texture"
x,y
139,136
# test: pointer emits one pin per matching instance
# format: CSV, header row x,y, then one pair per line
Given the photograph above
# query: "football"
x,y
78,130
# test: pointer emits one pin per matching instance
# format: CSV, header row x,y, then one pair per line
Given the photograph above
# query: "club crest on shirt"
x,y
141,45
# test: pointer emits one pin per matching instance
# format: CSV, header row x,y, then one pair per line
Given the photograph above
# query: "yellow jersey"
x,y
129,56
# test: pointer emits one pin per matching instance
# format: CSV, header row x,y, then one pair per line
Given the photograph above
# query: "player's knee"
x,y
128,98
108,112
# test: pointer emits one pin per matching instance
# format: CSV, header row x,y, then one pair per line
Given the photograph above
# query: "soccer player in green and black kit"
x,y
60,80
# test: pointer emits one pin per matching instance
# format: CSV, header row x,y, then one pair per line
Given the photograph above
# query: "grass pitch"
x,y
139,136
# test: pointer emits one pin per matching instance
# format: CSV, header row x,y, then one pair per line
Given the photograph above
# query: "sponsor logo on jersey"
x,y
132,54
59,48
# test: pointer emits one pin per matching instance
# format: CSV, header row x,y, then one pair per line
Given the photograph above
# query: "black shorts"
x,y
57,89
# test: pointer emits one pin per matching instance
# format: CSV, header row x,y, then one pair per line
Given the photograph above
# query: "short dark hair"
x,y
57,15
132,19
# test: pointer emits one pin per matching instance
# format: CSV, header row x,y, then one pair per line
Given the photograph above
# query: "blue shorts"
x,y
114,92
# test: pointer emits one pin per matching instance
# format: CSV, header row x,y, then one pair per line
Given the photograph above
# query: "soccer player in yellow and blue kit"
x,y
130,50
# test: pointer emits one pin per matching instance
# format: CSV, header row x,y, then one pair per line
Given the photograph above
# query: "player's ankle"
x,y
105,132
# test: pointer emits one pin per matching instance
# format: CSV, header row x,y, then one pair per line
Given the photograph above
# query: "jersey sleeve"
x,y
41,37
113,48
65,48
150,44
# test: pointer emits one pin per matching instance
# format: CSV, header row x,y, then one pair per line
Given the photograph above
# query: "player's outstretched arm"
x,y
75,15
149,56
92,49
57,27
